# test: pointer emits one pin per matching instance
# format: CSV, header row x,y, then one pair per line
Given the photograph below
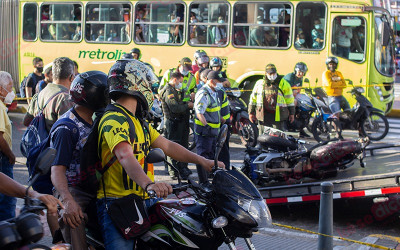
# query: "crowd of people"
x,y
123,98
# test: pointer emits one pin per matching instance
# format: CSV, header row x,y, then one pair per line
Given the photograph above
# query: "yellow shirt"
x,y
5,124
333,83
114,129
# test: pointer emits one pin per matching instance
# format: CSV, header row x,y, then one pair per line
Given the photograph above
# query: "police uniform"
x,y
224,155
208,104
175,110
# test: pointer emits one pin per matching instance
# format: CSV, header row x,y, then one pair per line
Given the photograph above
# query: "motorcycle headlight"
x,y
236,93
360,90
258,209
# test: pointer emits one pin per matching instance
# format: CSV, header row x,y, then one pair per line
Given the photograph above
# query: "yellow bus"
x,y
247,35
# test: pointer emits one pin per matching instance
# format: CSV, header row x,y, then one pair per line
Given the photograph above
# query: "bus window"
x,y
60,22
208,24
108,23
348,38
384,55
262,25
29,22
157,23
310,26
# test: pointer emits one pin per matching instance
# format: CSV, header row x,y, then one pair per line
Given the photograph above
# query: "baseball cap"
x,y
270,68
186,63
215,75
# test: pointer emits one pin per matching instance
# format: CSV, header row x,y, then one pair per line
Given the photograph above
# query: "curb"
x,y
394,113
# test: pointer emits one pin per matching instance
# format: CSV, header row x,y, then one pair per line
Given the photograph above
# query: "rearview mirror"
x,y
155,155
306,80
222,135
45,161
350,81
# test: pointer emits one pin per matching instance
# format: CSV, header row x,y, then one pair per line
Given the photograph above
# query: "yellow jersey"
x,y
114,129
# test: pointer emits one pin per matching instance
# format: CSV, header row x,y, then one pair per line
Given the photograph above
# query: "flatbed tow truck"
x,y
379,179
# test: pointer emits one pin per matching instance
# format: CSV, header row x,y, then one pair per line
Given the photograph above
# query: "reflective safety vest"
x,y
188,84
225,110
212,115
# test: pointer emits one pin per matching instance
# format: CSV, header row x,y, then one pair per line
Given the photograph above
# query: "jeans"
x,y
7,203
113,238
336,103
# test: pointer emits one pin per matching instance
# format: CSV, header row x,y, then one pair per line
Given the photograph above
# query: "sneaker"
x,y
303,134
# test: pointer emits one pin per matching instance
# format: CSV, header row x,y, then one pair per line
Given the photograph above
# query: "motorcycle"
x,y
218,212
240,120
284,158
26,229
369,121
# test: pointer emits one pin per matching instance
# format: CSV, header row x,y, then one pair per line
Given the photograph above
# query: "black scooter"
x,y
369,121
23,231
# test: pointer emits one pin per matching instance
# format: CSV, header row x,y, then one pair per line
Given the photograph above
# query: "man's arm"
x,y
5,149
123,152
12,188
73,214
28,119
173,104
179,153
202,119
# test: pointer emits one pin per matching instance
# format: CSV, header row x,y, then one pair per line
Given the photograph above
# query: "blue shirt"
x,y
68,151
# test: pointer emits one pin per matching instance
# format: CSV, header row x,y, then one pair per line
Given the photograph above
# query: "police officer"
x,y
207,120
175,110
224,155
272,101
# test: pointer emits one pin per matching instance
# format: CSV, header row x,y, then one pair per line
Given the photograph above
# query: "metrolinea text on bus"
x,y
99,54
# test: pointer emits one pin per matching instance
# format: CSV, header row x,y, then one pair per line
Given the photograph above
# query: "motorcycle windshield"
x,y
234,183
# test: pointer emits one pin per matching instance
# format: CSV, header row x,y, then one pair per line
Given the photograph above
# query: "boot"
x,y
185,172
303,134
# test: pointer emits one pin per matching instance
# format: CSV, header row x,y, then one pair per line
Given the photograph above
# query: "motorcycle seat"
x,y
276,143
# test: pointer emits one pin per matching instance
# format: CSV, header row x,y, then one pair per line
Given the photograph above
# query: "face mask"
x,y
272,77
173,20
317,26
220,21
201,84
8,99
183,72
301,41
179,86
219,86
259,22
40,69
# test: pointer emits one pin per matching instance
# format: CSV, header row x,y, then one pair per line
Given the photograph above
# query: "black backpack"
x,y
90,166
24,82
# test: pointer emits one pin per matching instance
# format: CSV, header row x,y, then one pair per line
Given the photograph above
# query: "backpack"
x,y
24,82
91,169
36,131
43,184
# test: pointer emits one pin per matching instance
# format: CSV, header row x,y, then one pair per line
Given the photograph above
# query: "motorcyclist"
x,y
295,79
216,65
130,88
197,55
203,62
334,83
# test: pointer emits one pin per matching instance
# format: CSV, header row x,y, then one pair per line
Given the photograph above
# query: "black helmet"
x,y
134,78
332,59
127,56
90,89
216,62
137,51
300,66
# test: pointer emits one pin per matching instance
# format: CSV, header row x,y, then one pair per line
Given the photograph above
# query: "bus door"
x,y
349,44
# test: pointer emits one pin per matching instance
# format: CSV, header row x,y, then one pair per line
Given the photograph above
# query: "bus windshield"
x,y
384,55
